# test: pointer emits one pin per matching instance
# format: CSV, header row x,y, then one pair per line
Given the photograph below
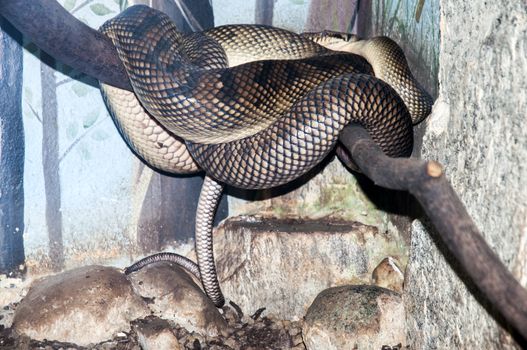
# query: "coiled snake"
x,y
253,106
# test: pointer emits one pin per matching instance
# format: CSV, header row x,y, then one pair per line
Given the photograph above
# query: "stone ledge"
x,y
282,264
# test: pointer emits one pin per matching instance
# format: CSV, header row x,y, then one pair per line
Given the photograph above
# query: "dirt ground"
x,y
247,332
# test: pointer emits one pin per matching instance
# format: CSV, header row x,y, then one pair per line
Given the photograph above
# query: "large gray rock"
x,y
82,306
477,131
175,296
283,264
354,317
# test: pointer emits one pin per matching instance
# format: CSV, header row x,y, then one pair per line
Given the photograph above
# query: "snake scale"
x,y
253,106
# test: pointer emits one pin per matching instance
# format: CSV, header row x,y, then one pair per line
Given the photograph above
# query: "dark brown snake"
x,y
253,106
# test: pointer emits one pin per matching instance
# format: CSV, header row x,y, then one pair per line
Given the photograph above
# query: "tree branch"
x,y
426,181
64,81
79,139
76,9
67,39
77,76
34,112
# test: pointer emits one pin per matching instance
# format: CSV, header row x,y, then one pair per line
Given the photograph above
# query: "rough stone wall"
x,y
477,131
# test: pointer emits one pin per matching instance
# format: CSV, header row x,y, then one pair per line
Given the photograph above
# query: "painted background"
x,y
100,199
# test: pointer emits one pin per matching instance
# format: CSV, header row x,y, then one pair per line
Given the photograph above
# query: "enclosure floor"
x,y
249,332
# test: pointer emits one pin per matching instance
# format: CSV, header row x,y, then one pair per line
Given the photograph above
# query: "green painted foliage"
x,y
84,152
123,4
100,9
100,135
69,4
72,130
90,119
80,89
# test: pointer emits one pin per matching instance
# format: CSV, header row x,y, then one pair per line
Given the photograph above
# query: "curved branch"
x,y
426,181
67,39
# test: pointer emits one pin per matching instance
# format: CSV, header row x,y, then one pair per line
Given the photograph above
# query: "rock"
x,y
477,131
354,317
156,334
82,306
175,296
283,264
388,275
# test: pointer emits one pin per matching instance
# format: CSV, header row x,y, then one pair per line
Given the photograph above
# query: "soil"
x,y
254,332
247,333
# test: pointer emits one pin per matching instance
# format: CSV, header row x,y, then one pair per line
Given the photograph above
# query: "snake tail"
x,y
180,260
208,202
205,270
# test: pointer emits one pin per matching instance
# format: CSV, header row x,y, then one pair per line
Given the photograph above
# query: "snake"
x,y
252,106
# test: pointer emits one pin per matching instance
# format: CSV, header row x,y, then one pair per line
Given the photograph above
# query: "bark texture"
x,y
11,150
50,161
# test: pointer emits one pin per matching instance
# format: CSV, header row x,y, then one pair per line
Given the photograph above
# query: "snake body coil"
x,y
253,106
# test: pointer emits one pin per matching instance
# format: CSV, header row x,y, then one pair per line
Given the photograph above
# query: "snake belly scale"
x,y
253,106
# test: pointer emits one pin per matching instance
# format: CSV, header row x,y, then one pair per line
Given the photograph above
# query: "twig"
x,y
258,313
426,181
70,79
237,308
80,6
34,112
79,139
64,81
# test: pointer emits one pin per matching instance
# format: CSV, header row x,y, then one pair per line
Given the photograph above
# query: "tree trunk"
x,y
189,15
168,207
338,15
11,150
264,12
364,19
50,161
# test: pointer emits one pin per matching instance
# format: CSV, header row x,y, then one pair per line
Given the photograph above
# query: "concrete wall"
x,y
477,131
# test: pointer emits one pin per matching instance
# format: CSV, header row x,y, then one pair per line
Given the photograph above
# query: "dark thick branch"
x,y
67,39
426,181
